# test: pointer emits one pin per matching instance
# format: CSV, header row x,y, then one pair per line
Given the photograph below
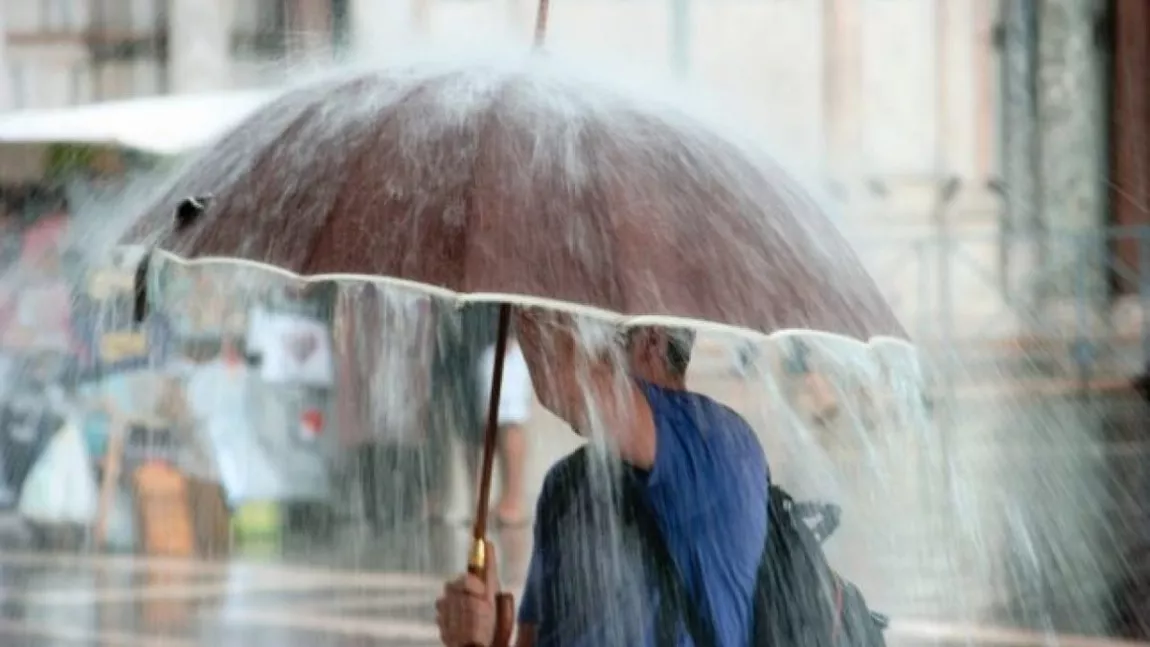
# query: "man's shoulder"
x,y
706,413
563,474
723,433
562,485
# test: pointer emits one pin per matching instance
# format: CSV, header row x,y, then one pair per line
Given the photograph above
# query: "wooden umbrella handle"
x,y
490,437
504,602
504,619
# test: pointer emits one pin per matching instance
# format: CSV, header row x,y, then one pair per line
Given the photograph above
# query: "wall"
x,y
884,88
891,89
201,44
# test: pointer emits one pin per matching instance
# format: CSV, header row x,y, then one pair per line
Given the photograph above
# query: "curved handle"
x,y
504,602
504,619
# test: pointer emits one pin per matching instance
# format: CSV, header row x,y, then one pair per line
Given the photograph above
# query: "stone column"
x,y
310,29
1072,144
842,90
200,45
1060,167
680,27
1022,222
957,97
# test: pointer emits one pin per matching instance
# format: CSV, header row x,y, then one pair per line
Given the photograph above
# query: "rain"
x,y
671,322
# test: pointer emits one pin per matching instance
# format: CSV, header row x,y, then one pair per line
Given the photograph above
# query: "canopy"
x,y
166,125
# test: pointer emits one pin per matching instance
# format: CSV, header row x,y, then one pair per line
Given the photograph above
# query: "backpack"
x,y
799,599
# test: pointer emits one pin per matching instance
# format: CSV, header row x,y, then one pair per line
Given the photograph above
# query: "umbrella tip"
x,y
541,23
190,209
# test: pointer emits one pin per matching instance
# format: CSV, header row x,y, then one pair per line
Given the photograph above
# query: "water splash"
x,y
958,514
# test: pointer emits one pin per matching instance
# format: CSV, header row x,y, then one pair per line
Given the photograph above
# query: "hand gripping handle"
x,y
504,602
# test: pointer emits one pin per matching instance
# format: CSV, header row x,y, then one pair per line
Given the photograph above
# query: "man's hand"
x,y
466,612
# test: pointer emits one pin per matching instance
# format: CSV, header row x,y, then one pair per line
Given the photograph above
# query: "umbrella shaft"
x,y
492,431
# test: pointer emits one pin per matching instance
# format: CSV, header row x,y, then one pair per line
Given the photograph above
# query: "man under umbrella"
x,y
700,469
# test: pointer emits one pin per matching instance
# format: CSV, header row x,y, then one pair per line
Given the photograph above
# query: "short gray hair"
x,y
680,342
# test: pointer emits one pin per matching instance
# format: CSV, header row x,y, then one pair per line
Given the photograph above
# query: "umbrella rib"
x,y
483,135
263,157
361,153
600,201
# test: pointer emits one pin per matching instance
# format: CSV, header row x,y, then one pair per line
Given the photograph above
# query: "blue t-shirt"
x,y
707,489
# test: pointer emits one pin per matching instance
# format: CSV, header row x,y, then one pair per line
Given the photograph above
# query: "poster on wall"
x,y
293,348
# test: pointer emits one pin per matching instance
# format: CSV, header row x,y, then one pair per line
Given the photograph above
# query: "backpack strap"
x,y
675,600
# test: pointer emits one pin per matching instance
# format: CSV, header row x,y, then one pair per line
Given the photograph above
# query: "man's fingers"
x,y
473,586
457,586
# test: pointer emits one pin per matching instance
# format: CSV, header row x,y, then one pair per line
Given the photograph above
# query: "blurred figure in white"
x,y
515,400
746,353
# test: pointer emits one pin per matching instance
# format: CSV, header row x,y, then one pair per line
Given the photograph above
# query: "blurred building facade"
x,y
895,89
965,138
57,53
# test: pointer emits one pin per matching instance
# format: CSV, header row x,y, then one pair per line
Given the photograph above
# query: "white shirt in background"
x,y
516,395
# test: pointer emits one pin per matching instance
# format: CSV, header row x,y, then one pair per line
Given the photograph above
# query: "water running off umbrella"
x,y
477,559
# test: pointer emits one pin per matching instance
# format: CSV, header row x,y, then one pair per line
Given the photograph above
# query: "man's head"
x,y
566,360
660,355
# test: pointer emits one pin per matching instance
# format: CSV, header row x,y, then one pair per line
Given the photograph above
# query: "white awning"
x,y
166,125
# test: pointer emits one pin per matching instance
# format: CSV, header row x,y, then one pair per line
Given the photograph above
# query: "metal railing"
x,y
1047,297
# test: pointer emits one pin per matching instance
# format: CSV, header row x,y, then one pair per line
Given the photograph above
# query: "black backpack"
x,y
799,600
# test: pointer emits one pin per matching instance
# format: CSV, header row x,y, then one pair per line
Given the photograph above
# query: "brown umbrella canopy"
x,y
528,180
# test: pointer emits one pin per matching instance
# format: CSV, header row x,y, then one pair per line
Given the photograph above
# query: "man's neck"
x,y
628,423
660,376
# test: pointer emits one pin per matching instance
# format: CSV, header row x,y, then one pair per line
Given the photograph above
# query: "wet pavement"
x,y
63,600
354,590
334,597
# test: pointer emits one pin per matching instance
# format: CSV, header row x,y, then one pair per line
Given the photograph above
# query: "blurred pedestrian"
x,y
515,400
462,336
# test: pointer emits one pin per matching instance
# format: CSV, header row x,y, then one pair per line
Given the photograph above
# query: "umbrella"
x,y
483,178
519,182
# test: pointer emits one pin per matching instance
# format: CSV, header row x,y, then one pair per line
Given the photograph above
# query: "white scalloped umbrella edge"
x,y
608,316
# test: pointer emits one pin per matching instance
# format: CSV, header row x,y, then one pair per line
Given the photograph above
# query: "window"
x,y
260,28
112,15
341,23
59,15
